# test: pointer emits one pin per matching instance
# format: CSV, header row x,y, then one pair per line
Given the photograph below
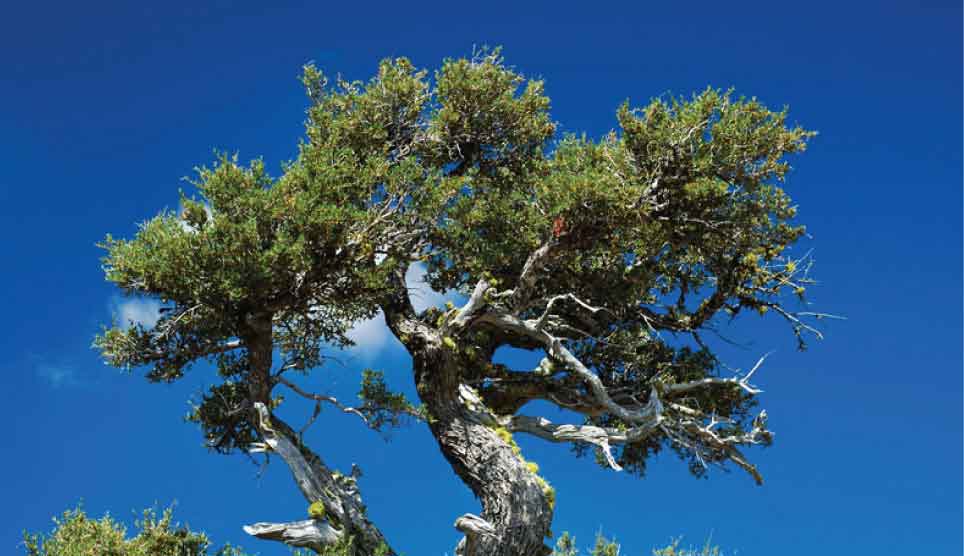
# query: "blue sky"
x,y
104,108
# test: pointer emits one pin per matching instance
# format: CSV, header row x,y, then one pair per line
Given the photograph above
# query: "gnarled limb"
x,y
684,425
517,510
344,511
466,312
310,533
474,528
556,350
545,429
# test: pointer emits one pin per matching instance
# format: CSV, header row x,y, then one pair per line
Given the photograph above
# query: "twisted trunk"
x,y
516,503
516,507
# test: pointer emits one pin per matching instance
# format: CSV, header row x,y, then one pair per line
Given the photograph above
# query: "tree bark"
x,y
343,507
516,508
309,533
345,514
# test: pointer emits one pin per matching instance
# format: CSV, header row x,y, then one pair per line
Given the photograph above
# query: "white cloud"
x,y
145,312
423,296
370,336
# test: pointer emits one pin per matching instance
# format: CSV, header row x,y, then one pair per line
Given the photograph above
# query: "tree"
x,y
615,259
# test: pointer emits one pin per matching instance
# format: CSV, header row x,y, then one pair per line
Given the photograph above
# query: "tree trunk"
x,y
516,507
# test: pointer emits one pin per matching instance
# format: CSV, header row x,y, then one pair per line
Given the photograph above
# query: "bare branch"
x,y
471,524
598,436
320,398
170,326
742,382
311,486
571,297
728,443
555,349
473,527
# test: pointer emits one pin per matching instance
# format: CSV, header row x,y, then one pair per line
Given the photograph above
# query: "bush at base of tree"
x,y
76,534
566,546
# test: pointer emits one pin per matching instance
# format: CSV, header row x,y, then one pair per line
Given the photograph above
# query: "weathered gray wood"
x,y
474,528
344,511
310,533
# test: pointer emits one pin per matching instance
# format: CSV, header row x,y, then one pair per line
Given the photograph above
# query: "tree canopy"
x,y
614,258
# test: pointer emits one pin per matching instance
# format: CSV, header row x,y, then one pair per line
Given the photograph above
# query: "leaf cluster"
x,y
381,406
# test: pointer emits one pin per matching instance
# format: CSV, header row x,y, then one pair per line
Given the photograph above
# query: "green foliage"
x,y
344,547
673,549
603,546
566,545
75,534
380,405
491,132
225,427
251,251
